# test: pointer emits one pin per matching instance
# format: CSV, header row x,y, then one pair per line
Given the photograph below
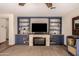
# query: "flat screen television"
x,y
39,27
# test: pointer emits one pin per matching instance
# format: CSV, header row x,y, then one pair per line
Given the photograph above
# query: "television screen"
x,y
39,27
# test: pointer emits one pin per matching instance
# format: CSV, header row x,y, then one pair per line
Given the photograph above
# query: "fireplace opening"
x,y
39,41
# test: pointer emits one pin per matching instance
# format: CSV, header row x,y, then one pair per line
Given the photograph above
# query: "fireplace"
x,y
39,41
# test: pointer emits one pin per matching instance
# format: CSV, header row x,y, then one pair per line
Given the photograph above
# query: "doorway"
x,y
4,33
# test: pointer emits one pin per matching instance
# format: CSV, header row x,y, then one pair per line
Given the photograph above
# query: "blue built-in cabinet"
x,y
57,39
21,39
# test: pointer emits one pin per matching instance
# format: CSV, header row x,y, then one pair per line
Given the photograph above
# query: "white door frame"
x,y
11,27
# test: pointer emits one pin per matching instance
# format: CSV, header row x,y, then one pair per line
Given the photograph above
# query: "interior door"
x,y
3,25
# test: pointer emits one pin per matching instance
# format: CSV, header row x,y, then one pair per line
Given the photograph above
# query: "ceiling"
x,y
37,9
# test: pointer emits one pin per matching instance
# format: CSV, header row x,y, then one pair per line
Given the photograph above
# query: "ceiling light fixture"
x,y
49,5
22,4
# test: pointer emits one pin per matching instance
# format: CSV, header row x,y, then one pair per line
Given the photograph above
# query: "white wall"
x,y
67,23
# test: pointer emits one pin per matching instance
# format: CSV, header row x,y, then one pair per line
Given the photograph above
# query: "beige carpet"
x,y
23,50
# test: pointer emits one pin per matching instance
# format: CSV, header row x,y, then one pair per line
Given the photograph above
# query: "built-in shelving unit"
x,y
23,25
55,29
55,26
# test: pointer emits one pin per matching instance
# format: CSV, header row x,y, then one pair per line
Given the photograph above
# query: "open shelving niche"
x,y
55,29
23,25
55,26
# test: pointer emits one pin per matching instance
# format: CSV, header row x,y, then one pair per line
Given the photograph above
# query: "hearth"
x,y
39,41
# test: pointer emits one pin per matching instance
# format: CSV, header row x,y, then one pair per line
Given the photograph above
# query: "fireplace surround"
x,y
39,41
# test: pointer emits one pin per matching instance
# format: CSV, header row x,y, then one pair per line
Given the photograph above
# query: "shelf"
x,y
54,22
54,29
54,26
23,22
23,25
54,19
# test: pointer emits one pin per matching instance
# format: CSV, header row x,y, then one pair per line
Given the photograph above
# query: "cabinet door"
x,y
59,39
19,39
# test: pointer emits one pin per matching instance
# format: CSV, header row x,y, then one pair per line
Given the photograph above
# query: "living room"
x,y
38,26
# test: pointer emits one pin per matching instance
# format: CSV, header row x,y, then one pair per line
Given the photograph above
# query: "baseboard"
x,y
3,46
2,42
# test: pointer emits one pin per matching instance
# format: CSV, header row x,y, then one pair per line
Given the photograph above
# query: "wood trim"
x,y
60,25
7,47
3,43
39,17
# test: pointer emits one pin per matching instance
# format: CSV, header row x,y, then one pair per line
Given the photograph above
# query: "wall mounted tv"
x,y
39,27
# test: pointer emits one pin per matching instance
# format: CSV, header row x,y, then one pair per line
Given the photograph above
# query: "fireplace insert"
x,y
39,41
